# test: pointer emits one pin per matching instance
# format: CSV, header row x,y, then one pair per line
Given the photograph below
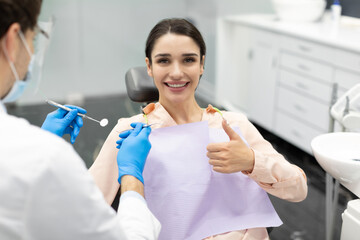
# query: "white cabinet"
x,y
282,75
296,132
303,92
304,85
304,66
306,48
262,77
232,61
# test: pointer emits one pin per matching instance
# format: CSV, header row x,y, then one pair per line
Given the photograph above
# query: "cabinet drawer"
x,y
307,67
305,85
308,49
303,108
295,132
348,60
345,79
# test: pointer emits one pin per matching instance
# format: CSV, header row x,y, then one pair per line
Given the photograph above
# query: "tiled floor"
x,y
304,220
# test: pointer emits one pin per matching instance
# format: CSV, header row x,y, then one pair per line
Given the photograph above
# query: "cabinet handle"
x,y
299,108
296,133
303,67
250,54
302,86
304,48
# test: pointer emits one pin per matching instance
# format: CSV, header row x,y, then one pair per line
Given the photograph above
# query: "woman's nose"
x,y
176,71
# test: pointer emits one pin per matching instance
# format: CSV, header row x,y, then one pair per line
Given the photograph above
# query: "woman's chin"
x,y
175,99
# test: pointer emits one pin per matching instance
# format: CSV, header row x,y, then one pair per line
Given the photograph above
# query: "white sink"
x,y
339,155
299,11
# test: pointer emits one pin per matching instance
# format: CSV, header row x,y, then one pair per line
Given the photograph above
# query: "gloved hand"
x,y
134,148
61,122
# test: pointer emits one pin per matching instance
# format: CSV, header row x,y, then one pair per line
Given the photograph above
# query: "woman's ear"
x,y
148,65
202,65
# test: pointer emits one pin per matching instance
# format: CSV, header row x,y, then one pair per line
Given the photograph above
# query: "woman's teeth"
x,y
176,85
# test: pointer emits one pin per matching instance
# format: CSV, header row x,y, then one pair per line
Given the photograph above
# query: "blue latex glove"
x,y
134,148
61,122
123,135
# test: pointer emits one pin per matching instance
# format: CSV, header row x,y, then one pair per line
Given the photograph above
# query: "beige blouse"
x,y
271,171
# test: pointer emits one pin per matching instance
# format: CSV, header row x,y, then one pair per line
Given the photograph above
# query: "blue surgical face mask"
x,y
20,85
16,91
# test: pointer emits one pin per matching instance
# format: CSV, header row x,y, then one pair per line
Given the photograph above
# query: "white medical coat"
x,y
46,192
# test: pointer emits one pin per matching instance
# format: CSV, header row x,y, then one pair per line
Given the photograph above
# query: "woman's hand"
x,y
232,156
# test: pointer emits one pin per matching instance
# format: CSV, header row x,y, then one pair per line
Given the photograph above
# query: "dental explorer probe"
x,y
102,123
144,126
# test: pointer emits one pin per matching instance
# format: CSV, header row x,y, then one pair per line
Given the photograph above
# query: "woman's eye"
x,y
163,60
189,60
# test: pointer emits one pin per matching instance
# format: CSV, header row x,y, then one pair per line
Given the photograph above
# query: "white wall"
x,y
95,42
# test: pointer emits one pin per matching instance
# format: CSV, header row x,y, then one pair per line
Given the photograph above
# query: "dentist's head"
x,y
18,28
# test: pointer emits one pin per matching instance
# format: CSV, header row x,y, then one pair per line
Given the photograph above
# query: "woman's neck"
x,y
185,112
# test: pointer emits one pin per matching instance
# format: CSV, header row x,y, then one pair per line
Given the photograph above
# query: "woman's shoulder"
x,y
236,119
215,116
234,115
124,123
211,110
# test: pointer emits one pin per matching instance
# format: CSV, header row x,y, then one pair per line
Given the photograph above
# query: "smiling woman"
x,y
205,177
175,56
176,72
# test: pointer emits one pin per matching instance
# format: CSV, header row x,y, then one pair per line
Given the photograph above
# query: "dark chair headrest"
x,y
140,86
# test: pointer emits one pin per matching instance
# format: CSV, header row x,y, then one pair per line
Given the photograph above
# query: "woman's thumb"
x,y
229,131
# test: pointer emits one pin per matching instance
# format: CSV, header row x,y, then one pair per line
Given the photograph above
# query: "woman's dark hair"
x,y
24,12
177,26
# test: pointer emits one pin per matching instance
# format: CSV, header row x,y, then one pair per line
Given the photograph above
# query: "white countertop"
x,y
346,36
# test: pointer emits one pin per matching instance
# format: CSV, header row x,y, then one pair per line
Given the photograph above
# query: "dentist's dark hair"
x,y
178,26
24,12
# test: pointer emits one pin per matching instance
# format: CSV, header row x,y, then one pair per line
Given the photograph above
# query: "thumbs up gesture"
x,y
233,156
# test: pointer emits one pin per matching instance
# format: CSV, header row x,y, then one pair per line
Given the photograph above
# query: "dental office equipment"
x,y
338,154
347,109
144,126
102,123
149,125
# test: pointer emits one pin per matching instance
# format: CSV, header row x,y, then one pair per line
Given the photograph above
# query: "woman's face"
x,y
176,67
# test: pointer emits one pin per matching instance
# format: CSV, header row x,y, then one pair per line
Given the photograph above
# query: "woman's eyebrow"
x,y
190,55
169,55
162,55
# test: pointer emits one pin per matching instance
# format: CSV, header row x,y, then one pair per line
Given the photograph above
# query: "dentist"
x,y
46,191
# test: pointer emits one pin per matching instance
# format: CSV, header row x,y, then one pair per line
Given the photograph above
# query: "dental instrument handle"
x,y
86,116
144,126
55,104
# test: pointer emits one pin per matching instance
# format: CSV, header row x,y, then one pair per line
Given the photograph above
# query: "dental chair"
x,y
140,86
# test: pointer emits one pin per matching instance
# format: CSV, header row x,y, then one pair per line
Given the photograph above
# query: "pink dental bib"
x,y
191,200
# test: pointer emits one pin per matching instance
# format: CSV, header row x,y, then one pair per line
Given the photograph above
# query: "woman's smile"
x,y
176,86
